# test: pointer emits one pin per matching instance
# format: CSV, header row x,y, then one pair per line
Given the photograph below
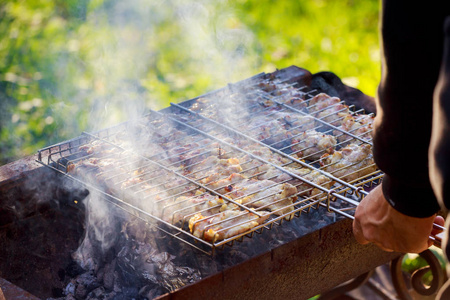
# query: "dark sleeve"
x,y
411,57
440,140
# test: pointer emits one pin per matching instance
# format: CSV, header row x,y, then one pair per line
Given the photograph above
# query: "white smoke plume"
x,y
124,68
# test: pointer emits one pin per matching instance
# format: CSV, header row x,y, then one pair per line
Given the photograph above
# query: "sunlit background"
x,y
69,66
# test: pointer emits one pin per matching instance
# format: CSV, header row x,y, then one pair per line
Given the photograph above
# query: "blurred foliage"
x,y
68,66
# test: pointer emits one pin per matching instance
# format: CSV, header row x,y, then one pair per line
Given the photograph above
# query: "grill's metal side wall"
x,y
297,270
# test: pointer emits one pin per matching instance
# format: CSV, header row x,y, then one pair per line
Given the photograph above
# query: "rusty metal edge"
x,y
9,291
13,173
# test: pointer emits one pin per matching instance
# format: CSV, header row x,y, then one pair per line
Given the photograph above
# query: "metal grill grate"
x,y
212,170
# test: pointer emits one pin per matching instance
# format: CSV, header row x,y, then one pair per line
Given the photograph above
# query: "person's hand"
x,y
376,221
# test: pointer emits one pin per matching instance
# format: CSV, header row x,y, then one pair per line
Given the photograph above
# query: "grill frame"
x,y
68,149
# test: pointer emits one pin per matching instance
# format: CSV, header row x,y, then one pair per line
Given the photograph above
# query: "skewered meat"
x,y
311,144
350,163
221,111
272,173
267,129
267,86
225,182
266,154
306,190
213,165
185,207
224,225
101,168
96,147
296,102
322,101
264,194
303,188
187,151
205,107
220,176
295,123
328,109
262,102
291,96
359,125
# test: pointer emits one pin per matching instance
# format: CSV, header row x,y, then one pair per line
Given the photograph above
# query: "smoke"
x,y
101,231
215,42
141,53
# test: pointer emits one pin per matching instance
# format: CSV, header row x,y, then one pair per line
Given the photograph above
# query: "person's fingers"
x,y
357,232
439,220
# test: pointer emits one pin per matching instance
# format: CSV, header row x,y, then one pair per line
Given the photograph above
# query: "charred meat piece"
x,y
261,103
350,163
97,146
267,86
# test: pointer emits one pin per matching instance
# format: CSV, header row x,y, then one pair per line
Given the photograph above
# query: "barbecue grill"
x,y
228,174
159,168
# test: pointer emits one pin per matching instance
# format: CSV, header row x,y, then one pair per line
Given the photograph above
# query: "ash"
x,y
142,262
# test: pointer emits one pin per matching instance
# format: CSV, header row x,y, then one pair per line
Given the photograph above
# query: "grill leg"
x,y
417,285
405,286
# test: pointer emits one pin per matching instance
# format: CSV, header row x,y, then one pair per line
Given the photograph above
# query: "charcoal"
x,y
86,282
130,292
70,288
96,293
117,285
81,291
109,277
57,292
150,292
142,265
